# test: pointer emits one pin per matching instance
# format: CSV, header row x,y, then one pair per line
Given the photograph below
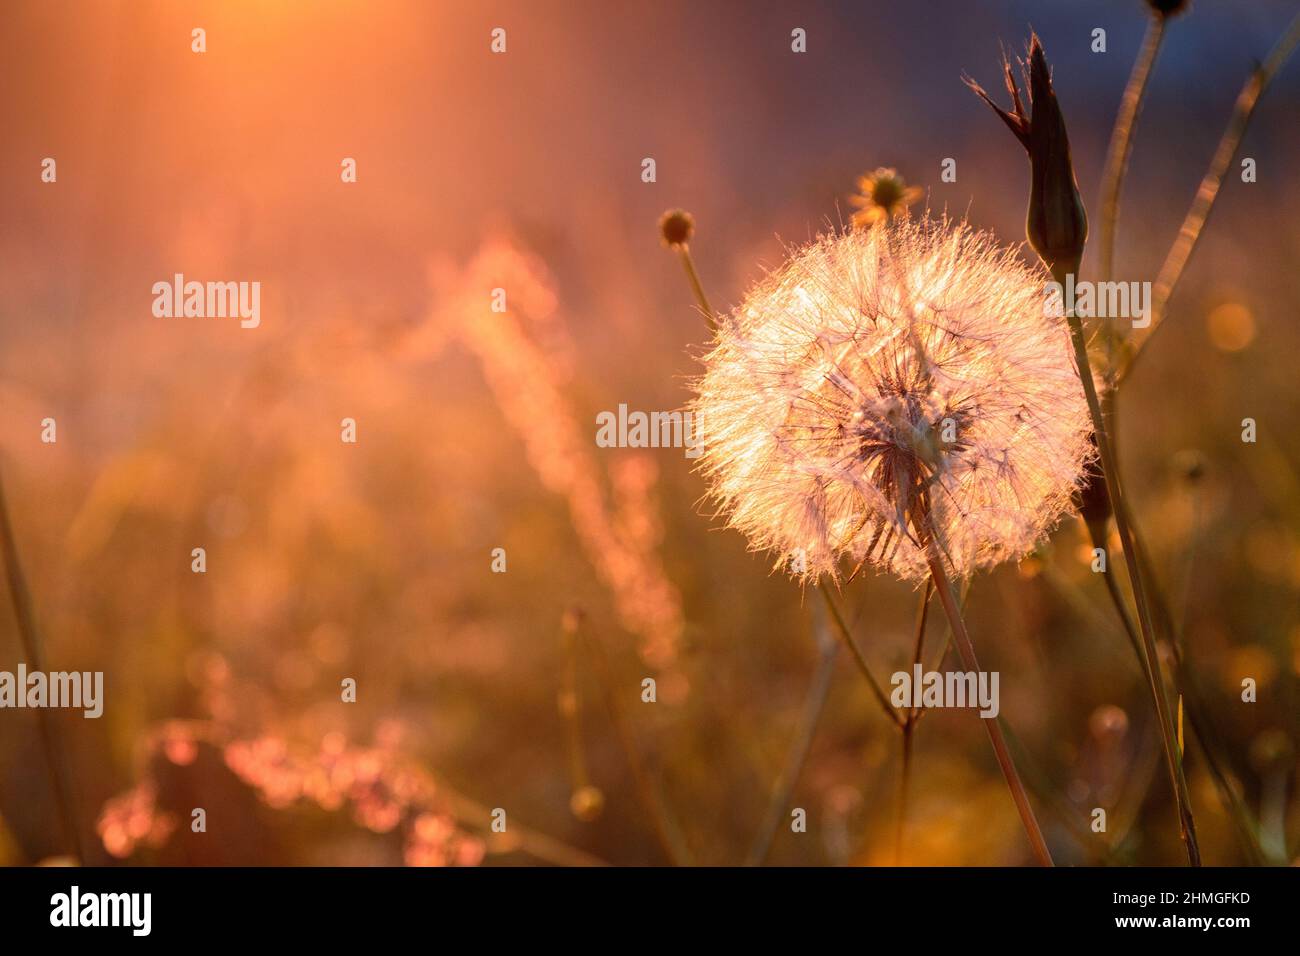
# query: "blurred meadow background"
x,y
476,430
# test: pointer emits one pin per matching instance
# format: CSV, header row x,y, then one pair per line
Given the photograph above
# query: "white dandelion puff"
x,y
888,388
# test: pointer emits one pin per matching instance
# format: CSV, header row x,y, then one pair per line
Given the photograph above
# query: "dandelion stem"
x,y
1110,473
847,637
1199,212
697,287
909,728
922,613
967,651
904,776
32,648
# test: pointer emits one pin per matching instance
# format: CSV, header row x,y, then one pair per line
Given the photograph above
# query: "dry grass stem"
x,y
1193,224
33,649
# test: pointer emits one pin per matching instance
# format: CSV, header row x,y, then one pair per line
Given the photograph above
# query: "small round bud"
x,y
587,803
676,227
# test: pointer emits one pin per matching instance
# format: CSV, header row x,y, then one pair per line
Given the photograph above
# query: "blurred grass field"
x,y
476,431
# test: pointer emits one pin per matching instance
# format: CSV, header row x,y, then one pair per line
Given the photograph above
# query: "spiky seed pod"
x,y
888,381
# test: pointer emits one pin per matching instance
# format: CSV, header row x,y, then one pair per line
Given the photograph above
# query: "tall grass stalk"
x,y
665,826
1185,684
846,635
1121,141
1199,212
814,705
1117,155
1170,273
1110,472
33,649
1202,732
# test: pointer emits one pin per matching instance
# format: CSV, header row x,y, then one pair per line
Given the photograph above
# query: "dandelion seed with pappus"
x,y
886,382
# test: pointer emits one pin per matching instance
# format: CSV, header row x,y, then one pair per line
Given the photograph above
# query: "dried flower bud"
x,y
676,226
1056,224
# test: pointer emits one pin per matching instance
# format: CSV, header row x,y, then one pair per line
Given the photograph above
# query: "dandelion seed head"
x,y
886,383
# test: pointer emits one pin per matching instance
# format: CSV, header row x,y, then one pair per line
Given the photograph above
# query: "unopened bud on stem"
x,y
1056,223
